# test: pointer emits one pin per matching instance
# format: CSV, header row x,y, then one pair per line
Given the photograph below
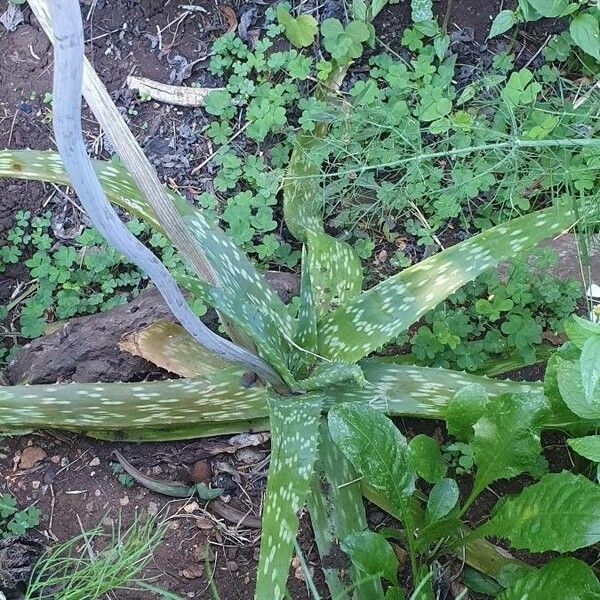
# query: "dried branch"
x,y
133,157
68,75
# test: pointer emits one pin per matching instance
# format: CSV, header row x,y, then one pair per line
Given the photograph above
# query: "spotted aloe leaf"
x,y
400,389
168,433
380,314
217,397
242,294
327,374
305,336
294,442
336,510
220,402
335,269
169,346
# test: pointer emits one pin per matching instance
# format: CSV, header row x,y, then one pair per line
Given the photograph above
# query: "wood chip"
x,y
170,94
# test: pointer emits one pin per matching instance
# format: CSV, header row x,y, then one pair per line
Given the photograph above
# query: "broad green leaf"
x,y
294,442
242,294
378,451
464,410
422,10
300,31
560,410
585,31
572,390
580,330
442,499
394,593
561,512
337,510
561,579
371,553
380,314
588,447
590,365
426,458
550,8
506,442
502,22
169,346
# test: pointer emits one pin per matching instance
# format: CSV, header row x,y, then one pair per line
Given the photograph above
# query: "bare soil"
x,y
73,484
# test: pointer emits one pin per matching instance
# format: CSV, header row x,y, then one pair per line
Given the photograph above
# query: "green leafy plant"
x,y
502,437
300,31
584,21
307,365
80,278
14,521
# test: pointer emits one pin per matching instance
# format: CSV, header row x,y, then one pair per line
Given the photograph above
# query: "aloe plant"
x,y
303,365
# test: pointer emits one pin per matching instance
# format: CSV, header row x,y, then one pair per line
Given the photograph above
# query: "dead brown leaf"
x,y
229,14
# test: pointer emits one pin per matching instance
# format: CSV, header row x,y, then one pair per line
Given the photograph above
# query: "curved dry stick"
x,y
68,75
133,157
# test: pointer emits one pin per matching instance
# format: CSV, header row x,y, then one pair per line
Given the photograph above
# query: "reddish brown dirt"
x,y
74,485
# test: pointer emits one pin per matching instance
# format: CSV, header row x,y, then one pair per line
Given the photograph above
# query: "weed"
x,y
14,521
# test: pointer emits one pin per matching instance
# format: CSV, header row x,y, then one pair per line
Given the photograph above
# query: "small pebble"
x,y
204,523
191,507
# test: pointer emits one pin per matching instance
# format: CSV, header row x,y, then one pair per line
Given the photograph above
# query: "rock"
x,y
85,349
191,507
204,523
18,555
568,266
232,566
193,572
152,509
31,456
94,462
201,472
124,501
